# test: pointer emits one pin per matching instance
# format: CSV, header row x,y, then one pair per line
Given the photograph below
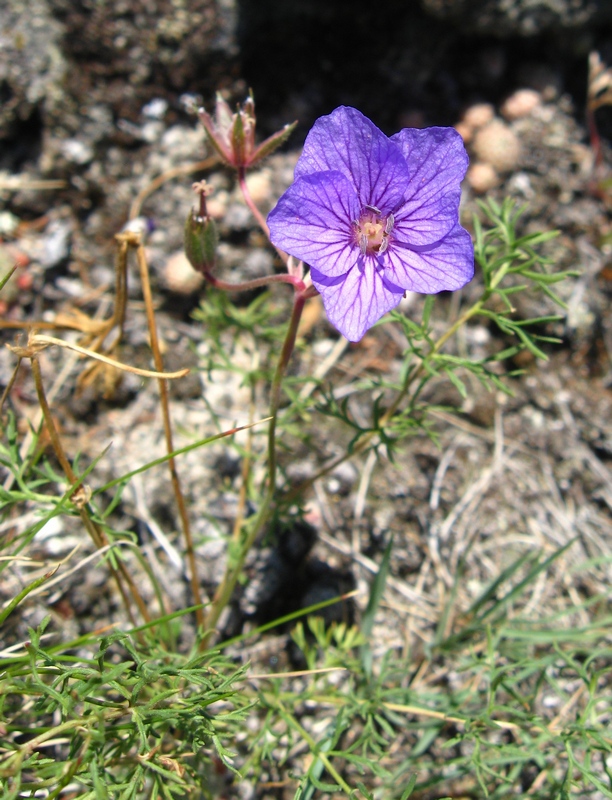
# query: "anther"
x,y
374,209
389,224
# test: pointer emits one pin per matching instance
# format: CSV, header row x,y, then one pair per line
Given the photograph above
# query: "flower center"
x,y
372,230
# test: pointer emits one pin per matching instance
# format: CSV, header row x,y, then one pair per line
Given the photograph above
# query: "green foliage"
x,y
145,712
132,719
509,264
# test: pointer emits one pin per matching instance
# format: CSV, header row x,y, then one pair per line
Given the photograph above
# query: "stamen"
x,y
389,224
383,245
374,209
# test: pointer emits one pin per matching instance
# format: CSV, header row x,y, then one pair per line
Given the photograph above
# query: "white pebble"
x,y
482,177
76,151
258,184
478,115
496,144
465,131
180,276
521,104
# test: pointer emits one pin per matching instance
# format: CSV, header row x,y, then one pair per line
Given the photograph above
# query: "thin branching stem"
x,y
254,526
314,748
9,387
165,407
411,377
97,534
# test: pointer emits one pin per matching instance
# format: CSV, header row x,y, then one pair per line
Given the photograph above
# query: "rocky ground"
x,y
531,470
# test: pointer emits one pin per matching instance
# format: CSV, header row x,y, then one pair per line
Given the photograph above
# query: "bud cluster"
x,y
233,135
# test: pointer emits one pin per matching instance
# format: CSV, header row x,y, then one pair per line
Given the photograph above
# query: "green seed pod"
x,y
201,240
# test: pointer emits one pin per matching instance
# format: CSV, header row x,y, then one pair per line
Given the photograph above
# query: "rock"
x,y
8,223
504,18
464,131
259,186
520,104
482,177
179,276
478,115
32,66
497,144
475,117
257,264
76,151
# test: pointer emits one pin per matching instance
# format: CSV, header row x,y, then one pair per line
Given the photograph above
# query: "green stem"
x,y
255,525
411,377
314,748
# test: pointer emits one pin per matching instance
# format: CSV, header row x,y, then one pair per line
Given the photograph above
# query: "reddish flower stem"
x,y
245,286
256,212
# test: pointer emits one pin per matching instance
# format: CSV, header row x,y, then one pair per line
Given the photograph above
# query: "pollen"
x,y
372,231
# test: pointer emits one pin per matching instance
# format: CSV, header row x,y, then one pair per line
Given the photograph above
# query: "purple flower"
x,y
375,217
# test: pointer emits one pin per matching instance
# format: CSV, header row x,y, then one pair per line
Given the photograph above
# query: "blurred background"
x,y
85,69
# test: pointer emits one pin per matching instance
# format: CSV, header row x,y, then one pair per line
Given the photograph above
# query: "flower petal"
x,y
313,221
348,142
444,266
437,162
356,301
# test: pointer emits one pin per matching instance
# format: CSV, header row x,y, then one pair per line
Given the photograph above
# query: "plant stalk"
x,y
163,394
254,526
98,536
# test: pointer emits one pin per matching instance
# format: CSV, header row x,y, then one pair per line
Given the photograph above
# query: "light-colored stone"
x,y
520,104
258,184
478,115
464,131
180,276
497,144
482,177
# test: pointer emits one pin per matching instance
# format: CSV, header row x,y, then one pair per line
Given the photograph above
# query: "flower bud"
x,y
201,240
233,135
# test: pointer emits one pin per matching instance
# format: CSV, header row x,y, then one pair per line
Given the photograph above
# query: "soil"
x,y
509,473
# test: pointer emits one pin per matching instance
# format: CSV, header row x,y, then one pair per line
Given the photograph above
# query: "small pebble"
x,y
56,244
482,177
322,347
141,225
520,104
496,144
258,263
76,151
8,223
179,276
239,217
217,204
258,184
155,108
478,115
521,184
465,131
345,475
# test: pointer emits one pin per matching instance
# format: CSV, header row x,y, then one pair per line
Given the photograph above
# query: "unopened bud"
x,y
232,135
239,139
201,240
